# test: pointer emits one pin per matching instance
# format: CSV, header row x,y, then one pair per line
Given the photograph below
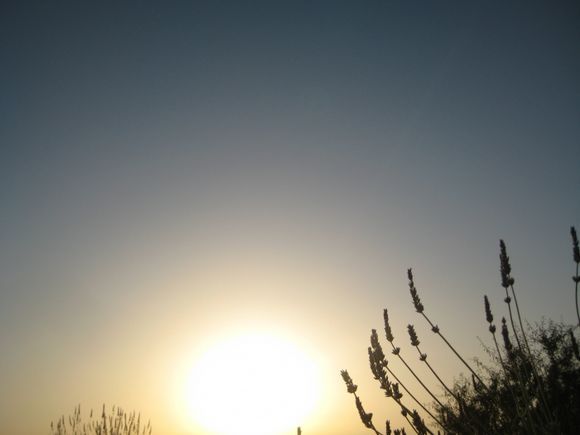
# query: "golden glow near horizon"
x,y
252,384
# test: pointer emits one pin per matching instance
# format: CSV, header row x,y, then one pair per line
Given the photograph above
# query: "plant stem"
x,y
418,379
454,351
424,359
528,420
540,383
372,427
415,399
576,291
408,412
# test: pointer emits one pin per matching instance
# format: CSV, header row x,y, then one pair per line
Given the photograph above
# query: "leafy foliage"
x,y
512,402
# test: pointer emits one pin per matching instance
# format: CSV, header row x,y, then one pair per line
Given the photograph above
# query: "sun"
x,y
252,384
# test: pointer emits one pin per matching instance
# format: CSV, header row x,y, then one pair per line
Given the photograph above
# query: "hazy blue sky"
x,y
171,171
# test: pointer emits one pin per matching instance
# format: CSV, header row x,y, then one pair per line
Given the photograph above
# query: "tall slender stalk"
x,y
416,422
576,277
421,310
378,364
492,330
397,352
351,387
414,398
423,357
576,281
433,396
508,281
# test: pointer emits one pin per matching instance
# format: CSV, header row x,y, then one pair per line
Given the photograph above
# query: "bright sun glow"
x,y
252,385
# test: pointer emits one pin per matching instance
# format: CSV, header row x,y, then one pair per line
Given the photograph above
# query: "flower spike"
x,y
416,300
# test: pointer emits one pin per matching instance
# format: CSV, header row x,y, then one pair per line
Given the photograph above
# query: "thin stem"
x,y
540,383
522,367
508,281
417,377
576,256
408,412
372,426
423,358
436,330
576,291
508,302
415,399
520,321
516,402
411,424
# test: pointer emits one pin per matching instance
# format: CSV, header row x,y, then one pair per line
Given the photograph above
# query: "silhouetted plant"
x,y
117,422
508,281
576,277
532,387
434,328
351,387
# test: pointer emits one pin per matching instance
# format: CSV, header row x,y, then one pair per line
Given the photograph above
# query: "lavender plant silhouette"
x,y
531,387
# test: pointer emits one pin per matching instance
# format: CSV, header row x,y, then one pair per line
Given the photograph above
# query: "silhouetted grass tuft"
x,y
115,422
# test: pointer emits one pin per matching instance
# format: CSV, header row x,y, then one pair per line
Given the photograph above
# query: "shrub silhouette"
x,y
115,422
531,387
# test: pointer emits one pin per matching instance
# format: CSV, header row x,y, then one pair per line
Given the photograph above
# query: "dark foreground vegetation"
x,y
113,422
532,385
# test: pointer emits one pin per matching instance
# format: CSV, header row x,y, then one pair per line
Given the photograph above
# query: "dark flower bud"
x,y
413,335
373,364
388,390
575,246
505,267
414,295
350,386
388,331
488,315
376,345
506,335
419,423
396,393
367,419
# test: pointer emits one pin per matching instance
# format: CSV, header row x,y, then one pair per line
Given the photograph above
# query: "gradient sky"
x,y
174,172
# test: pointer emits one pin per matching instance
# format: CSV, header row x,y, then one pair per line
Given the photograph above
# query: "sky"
x,y
173,173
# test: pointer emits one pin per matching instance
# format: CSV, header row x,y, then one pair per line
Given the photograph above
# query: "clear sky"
x,y
172,173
